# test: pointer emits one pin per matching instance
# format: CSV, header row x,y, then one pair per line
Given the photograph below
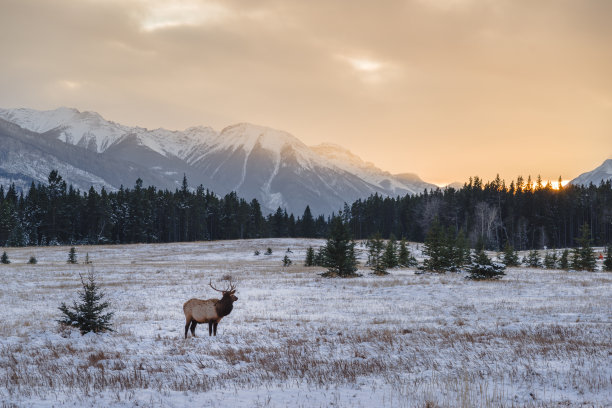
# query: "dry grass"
x,y
430,340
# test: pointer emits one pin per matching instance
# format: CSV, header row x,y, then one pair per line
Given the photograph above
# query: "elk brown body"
x,y
209,311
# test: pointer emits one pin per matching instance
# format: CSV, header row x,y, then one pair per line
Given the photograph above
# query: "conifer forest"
x,y
525,214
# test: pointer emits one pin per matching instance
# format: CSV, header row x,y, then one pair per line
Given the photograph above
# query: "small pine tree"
x,y
33,260
320,257
310,257
339,251
72,257
375,247
564,260
89,315
286,261
256,253
460,251
389,257
510,257
550,260
436,249
483,268
87,260
608,259
583,256
404,257
533,259
5,259
269,251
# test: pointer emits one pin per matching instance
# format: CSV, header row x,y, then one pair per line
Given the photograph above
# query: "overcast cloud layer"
x,y
443,88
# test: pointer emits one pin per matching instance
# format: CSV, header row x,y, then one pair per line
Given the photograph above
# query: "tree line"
x,y
524,214
54,213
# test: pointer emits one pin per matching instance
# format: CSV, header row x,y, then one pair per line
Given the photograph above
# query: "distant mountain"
x,y
457,185
254,161
601,173
399,184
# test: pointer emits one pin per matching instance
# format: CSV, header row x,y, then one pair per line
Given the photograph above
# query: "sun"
x,y
555,184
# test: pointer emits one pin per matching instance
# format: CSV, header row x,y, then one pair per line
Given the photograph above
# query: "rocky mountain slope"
x,y
596,176
269,165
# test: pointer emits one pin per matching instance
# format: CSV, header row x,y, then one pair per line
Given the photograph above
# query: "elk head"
x,y
228,293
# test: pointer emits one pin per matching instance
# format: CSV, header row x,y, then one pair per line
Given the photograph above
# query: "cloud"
x,y
421,76
161,14
71,85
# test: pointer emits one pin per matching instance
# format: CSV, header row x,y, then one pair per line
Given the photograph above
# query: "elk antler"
x,y
231,287
211,285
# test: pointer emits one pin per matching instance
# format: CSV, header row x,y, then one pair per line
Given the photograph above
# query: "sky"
x,y
446,89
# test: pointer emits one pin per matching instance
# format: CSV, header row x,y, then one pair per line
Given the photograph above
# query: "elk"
x,y
209,311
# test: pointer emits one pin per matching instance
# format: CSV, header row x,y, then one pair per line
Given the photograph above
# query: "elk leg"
x,y
215,327
187,327
210,326
193,326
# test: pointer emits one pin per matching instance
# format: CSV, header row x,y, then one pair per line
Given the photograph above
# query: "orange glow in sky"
x,y
444,89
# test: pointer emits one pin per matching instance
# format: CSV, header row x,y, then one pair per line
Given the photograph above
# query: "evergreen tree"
x,y
310,257
460,251
320,257
607,263
8,221
483,268
583,256
256,252
33,260
90,315
56,213
533,259
436,249
17,237
390,255
550,260
339,251
4,259
376,261
564,260
404,257
510,257
269,251
287,261
72,257
528,216
308,224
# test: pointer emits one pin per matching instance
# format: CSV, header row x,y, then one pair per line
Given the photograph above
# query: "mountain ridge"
x,y
597,175
273,166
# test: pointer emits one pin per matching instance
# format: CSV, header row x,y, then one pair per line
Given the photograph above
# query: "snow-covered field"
x,y
535,338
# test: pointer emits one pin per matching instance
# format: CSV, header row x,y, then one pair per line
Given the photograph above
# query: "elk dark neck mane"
x,y
224,306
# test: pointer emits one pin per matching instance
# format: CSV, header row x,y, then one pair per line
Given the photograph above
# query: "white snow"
x,y
245,136
351,163
28,163
596,176
81,128
78,128
195,144
534,338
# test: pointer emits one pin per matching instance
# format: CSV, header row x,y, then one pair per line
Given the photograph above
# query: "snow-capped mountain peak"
x,y
596,176
85,129
255,161
351,163
341,154
246,136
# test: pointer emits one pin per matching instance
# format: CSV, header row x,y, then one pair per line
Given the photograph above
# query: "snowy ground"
x,y
535,338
